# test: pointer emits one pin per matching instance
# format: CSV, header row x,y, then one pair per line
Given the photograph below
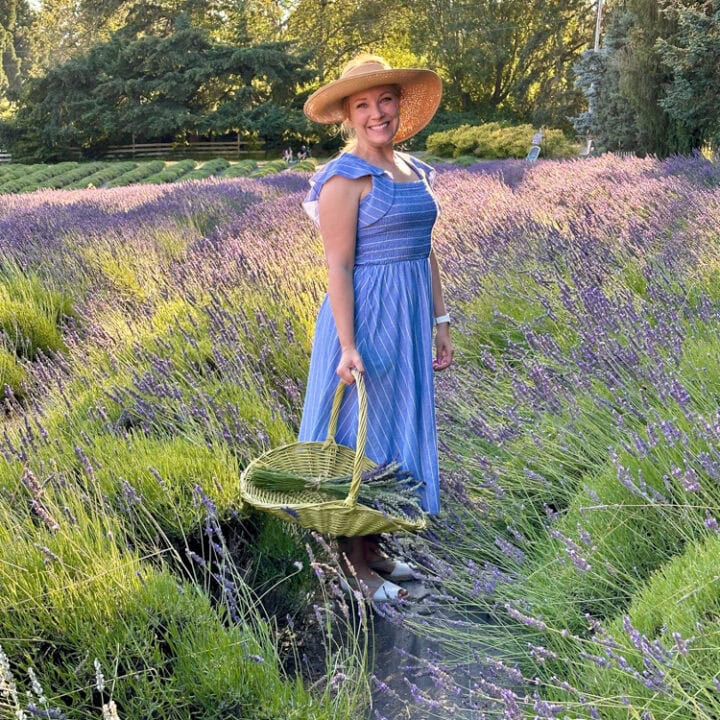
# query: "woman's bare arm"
x,y
443,344
338,210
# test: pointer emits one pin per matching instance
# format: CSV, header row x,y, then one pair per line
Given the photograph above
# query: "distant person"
x,y
538,138
302,153
288,155
535,143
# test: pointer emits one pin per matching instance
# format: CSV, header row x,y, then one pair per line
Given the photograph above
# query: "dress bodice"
x,y
395,220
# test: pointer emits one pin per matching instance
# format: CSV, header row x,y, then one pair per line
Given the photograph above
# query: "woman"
x,y
375,210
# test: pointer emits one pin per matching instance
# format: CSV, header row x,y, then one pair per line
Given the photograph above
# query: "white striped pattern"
x,y
393,326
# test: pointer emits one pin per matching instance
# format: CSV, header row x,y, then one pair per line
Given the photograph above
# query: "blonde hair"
x,y
346,131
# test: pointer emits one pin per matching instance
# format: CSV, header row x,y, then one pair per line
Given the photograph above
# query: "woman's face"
x,y
374,114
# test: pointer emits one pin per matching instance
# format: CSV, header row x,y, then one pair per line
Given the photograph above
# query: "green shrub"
x,y
442,143
503,308
307,165
121,269
277,547
12,170
110,171
161,474
38,173
442,120
270,168
171,173
68,177
208,169
18,185
76,593
682,597
497,141
35,175
18,286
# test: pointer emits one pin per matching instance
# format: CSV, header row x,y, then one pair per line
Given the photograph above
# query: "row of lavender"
x,y
582,429
578,428
133,582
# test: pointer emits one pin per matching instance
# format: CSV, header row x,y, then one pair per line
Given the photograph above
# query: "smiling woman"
x,y
376,210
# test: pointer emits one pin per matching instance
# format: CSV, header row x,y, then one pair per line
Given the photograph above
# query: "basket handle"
x,y
351,499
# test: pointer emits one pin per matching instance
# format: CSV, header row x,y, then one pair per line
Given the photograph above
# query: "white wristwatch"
x,y
440,319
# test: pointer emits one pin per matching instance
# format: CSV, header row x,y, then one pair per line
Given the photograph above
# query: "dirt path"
x,y
412,678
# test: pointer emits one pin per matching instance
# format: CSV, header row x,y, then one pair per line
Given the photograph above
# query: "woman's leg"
x,y
355,554
379,561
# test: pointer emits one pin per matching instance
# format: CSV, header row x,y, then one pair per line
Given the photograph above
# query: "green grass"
x,y
12,373
72,596
682,597
29,331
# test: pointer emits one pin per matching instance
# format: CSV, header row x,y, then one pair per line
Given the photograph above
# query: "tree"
x,y
611,120
147,87
644,78
331,32
693,59
63,29
629,83
506,57
259,91
15,16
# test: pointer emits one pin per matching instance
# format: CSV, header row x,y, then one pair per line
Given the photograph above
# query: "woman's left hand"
x,y
443,347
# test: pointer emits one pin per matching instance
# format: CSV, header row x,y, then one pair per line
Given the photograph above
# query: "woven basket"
x,y
327,459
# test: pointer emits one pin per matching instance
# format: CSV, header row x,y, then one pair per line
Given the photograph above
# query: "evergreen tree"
x,y
627,84
148,87
610,120
644,79
693,59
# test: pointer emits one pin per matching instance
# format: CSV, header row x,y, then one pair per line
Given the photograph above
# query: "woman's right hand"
x,y
349,360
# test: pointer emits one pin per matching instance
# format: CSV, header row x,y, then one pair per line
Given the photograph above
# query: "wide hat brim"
x,y
420,94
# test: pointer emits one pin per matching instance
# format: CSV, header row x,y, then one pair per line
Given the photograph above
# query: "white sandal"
x,y
385,591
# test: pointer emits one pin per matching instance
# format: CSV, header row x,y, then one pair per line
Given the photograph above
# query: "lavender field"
x,y
156,338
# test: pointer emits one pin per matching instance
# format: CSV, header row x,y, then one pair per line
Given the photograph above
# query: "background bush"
x,y
497,141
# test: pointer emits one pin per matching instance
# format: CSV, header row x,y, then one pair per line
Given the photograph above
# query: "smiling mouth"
x,y
382,126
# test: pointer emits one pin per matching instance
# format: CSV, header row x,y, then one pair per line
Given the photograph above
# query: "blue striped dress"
x,y
393,325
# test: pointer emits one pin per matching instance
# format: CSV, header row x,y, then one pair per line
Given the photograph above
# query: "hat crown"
x,y
369,66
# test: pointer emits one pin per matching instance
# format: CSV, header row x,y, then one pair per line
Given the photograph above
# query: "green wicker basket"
x,y
327,459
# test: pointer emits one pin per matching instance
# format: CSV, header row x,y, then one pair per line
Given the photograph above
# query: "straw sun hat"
x,y
420,93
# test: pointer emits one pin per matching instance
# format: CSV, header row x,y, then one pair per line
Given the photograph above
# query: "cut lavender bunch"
x,y
387,486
